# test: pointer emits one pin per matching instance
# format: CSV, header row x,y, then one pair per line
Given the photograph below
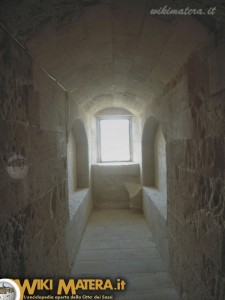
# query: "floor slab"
x,y
119,244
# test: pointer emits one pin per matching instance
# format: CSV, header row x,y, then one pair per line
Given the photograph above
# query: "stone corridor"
x,y
119,244
67,69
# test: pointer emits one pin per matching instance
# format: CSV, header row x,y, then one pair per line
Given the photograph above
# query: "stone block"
x,y
178,97
83,181
16,82
122,67
59,96
35,256
40,179
43,145
127,22
61,120
59,170
30,101
125,45
34,109
209,156
59,209
131,7
35,220
103,52
61,142
98,22
14,140
217,70
11,248
190,286
139,73
211,115
198,80
57,253
192,238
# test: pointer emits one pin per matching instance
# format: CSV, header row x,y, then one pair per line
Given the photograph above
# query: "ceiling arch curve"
x,y
113,47
128,102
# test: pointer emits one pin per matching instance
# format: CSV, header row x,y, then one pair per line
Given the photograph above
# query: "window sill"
x,y
115,163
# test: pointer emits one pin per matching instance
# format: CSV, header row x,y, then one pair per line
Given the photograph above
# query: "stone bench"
x,y
155,211
80,206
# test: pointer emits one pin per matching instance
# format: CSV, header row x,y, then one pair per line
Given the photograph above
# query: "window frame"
x,y
113,117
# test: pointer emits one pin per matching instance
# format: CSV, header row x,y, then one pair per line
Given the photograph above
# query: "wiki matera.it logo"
x,y
9,290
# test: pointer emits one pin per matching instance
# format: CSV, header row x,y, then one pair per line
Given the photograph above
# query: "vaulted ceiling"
x,y
109,51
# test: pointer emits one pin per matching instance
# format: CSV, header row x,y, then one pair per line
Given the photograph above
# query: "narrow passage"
x,y
119,244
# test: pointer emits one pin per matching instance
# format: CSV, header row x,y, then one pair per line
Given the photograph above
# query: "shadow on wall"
x,y
80,200
154,180
77,157
154,171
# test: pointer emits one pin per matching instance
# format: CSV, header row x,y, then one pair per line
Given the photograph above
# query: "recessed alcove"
x,y
154,180
77,157
154,170
80,198
110,180
148,165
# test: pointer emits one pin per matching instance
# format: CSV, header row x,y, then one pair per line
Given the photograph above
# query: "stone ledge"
x,y
75,200
157,199
117,168
155,211
80,206
122,163
108,183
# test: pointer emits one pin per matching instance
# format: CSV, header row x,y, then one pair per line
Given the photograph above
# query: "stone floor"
x,y
119,244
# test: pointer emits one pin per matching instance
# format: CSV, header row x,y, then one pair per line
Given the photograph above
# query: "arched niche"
x,y
78,160
154,171
71,163
148,135
160,169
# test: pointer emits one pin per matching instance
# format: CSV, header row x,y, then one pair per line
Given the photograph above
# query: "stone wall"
x,y
192,111
33,210
71,163
108,184
160,163
147,143
82,155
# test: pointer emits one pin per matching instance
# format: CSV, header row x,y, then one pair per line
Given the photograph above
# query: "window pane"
x,y
115,140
